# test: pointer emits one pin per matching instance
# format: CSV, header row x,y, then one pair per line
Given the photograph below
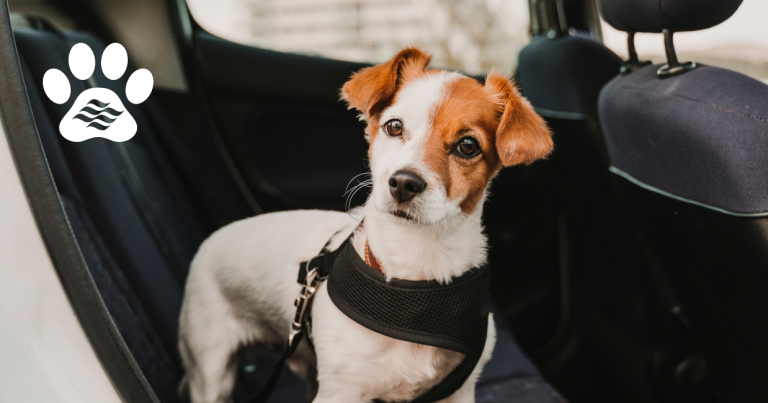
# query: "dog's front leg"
x,y
466,394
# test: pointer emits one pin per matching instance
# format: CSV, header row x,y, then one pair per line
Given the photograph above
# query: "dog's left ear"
x,y
522,137
371,89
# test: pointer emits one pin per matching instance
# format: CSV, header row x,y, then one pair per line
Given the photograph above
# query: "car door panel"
x,y
282,120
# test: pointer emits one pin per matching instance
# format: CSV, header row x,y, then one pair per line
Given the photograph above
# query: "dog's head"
x,y
437,138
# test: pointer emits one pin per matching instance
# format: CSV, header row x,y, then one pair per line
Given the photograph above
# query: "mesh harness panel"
x,y
453,316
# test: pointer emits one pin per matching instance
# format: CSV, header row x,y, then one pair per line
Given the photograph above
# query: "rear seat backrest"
x,y
126,310
562,76
689,152
101,182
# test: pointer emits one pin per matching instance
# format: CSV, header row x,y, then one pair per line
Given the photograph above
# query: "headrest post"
x,y
631,46
669,48
633,63
561,16
560,23
673,66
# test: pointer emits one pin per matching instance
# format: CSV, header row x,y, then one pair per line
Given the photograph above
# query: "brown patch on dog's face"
x,y
467,111
504,125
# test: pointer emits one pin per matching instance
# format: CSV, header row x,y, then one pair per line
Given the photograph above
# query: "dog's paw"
x,y
98,112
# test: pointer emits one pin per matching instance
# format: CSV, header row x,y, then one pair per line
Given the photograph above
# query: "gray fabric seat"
x,y
700,137
562,76
690,156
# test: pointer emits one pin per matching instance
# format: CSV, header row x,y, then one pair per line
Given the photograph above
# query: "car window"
x,y
740,43
468,35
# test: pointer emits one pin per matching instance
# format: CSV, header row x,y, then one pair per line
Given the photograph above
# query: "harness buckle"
x,y
302,303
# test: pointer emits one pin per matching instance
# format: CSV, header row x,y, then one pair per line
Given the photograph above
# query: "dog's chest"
x,y
390,369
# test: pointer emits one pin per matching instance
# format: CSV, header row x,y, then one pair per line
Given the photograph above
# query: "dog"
x,y
436,140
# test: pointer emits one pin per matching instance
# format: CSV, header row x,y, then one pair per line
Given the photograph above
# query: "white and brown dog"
x,y
436,138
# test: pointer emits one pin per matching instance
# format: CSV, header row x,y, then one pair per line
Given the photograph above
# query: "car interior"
x,y
628,267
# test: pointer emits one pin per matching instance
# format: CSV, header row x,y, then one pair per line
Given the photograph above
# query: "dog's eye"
x,y
394,127
468,147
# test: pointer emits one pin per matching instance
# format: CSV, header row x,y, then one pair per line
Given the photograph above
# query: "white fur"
x,y
242,282
415,105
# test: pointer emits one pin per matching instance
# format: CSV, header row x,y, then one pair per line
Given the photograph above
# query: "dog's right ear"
x,y
371,89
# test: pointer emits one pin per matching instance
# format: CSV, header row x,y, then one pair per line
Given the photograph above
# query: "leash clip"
x,y
302,304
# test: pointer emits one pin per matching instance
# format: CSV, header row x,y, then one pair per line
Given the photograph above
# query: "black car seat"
x,y
561,73
130,315
153,233
688,147
134,269
614,305
138,230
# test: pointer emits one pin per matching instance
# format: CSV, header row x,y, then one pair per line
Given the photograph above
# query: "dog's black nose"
x,y
405,185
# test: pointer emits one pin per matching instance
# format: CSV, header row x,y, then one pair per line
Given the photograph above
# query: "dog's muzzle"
x,y
405,185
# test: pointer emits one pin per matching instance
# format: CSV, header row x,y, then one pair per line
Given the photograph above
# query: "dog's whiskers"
x,y
350,194
346,189
357,187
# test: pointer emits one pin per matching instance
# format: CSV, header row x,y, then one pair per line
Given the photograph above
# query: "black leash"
x,y
311,274
453,316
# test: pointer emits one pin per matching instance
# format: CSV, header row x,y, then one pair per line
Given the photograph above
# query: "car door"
x,y
278,120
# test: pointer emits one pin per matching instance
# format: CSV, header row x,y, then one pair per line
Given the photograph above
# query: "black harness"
x,y
452,316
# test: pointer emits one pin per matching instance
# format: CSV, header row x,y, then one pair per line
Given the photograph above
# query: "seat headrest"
x,y
675,15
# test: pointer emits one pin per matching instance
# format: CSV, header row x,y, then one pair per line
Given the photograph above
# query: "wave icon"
x,y
98,115
97,112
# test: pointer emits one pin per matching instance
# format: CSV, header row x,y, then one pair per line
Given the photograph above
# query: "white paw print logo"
x,y
98,112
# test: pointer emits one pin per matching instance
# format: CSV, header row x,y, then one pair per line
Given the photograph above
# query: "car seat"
x,y
606,273
688,146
